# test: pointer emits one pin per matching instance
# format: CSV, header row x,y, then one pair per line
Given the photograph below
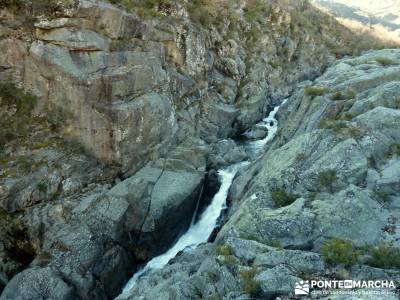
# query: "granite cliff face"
x,y
321,203
134,109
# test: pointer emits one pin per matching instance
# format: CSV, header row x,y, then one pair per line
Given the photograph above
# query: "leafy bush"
x,y
300,157
394,150
282,198
37,7
16,112
383,196
255,11
339,252
315,91
224,250
341,128
349,94
327,178
384,61
201,11
385,256
251,286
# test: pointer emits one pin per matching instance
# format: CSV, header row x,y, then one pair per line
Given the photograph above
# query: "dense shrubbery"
x,y
347,95
384,61
314,91
384,256
16,112
251,286
37,7
342,252
282,198
327,178
201,11
339,252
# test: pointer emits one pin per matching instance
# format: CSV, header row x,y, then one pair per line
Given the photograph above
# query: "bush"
x,y
383,196
255,11
225,250
342,128
16,112
394,150
37,7
349,94
201,11
251,286
327,178
385,256
315,91
384,61
282,198
339,252
300,157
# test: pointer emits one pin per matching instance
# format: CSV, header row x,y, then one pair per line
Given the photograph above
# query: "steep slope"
x,y
114,116
323,202
379,18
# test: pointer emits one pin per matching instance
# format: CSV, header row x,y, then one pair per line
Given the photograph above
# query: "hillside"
x,y
122,122
379,18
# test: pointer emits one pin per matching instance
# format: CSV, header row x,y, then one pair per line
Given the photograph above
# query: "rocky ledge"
x,y
322,203
113,122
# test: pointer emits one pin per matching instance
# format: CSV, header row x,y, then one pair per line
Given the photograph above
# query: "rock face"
x,y
122,83
147,102
337,155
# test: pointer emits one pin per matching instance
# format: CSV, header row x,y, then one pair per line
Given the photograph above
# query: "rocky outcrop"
x,y
331,174
123,83
155,96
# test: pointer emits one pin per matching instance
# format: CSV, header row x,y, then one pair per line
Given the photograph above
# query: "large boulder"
x,y
162,203
38,283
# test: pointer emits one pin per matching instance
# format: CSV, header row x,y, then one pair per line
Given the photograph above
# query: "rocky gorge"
x,y
136,108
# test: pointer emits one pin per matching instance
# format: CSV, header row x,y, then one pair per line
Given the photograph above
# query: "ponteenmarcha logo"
x,y
302,288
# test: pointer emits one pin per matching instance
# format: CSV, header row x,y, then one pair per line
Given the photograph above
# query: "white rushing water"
x,y
199,232
271,124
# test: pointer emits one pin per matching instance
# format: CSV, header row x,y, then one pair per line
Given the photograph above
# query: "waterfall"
x,y
200,231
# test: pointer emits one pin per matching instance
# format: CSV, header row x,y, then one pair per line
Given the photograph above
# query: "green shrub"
x,y
384,256
383,196
282,198
251,286
16,112
224,250
201,11
342,128
274,243
314,91
327,178
12,4
384,61
37,7
339,252
349,94
230,260
394,150
255,11
300,157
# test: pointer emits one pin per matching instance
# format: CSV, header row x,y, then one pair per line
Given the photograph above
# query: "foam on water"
x,y
197,233
200,231
271,124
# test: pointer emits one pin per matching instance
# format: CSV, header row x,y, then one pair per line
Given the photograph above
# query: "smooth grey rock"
x,y
225,153
37,283
75,40
278,281
300,261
